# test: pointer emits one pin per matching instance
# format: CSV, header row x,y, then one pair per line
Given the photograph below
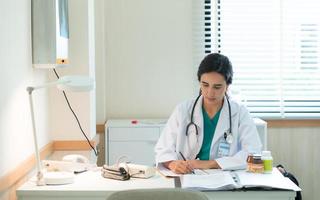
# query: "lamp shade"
x,y
75,83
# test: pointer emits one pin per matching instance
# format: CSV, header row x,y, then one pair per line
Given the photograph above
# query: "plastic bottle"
x,y
267,161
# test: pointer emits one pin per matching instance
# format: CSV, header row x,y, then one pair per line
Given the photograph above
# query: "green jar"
x,y
267,161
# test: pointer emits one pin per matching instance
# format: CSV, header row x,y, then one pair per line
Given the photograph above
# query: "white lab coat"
x,y
173,138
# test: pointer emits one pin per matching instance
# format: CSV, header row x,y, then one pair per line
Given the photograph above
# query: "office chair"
x,y
157,194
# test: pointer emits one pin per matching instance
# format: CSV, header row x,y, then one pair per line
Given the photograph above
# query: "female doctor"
x,y
209,132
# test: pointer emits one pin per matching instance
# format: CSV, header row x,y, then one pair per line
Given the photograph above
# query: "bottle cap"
x,y
266,153
256,155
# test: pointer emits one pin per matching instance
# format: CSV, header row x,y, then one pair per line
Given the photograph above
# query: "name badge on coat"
x,y
223,149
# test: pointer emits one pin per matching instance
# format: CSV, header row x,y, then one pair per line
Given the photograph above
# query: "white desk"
x,y
91,185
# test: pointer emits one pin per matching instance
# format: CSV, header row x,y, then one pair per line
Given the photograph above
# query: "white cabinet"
x,y
136,139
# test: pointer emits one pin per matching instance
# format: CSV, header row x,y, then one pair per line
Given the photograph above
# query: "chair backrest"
x,y
157,194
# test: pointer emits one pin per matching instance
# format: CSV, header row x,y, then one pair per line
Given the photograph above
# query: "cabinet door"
x,y
137,152
137,144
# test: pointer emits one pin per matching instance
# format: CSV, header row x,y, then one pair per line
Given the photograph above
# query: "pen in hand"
x,y
192,171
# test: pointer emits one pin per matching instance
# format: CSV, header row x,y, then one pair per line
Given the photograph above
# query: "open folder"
x,y
228,180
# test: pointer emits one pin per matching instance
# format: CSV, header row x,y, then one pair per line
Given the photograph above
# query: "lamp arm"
x,y
73,82
40,179
31,88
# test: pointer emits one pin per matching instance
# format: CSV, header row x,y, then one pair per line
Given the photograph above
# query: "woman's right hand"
x,y
179,166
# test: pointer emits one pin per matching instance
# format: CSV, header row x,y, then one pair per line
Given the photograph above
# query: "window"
x,y
274,47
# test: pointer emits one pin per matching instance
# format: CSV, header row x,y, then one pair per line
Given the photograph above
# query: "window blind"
x,y
274,49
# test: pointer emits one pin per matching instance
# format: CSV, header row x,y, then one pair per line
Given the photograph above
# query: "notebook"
x,y
228,180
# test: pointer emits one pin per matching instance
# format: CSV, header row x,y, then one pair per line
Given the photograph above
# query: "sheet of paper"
x,y
166,172
207,171
219,180
272,180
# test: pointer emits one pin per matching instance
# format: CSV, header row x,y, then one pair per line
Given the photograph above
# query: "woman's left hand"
x,y
204,164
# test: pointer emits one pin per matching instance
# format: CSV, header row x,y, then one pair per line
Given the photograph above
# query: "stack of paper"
x,y
214,179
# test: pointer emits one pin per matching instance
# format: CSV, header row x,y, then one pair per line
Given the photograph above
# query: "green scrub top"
x,y
209,129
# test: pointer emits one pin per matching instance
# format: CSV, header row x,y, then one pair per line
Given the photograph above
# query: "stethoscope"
x,y
227,134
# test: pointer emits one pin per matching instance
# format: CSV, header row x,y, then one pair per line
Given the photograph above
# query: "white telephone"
x,y
71,163
76,158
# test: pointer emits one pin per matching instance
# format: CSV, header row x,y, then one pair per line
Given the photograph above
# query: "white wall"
x,y
147,58
82,56
16,140
100,61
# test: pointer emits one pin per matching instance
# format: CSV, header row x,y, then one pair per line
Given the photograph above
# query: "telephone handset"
x,y
76,158
73,163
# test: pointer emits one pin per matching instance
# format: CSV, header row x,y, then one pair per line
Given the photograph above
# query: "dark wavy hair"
x,y
216,63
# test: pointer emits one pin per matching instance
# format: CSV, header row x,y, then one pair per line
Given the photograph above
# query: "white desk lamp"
x,y
67,83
